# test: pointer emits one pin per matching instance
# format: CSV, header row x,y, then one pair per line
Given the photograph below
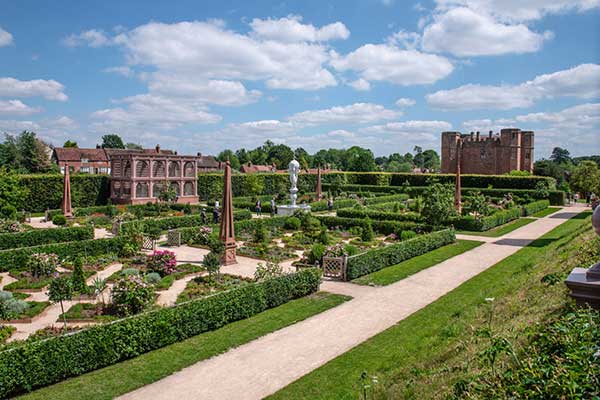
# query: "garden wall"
x,y
48,361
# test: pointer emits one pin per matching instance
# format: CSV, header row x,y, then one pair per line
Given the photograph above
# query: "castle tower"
x,y
527,151
449,141
510,140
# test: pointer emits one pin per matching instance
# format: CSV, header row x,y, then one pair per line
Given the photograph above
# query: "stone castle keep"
x,y
510,150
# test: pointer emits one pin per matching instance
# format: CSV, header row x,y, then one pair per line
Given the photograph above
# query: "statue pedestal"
x,y
584,288
229,254
287,210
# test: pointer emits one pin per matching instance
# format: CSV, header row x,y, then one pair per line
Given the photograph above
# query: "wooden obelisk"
x,y
227,231
66,200
319,186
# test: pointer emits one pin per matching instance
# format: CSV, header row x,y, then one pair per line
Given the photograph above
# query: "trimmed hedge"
x,y
386,199
167,223
470,223
337,204
382,227
45,191
36,237
16,259
374,260
536,206
380,215
45,362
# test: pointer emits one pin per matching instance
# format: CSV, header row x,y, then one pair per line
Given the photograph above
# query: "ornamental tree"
x,y
60,290
438,203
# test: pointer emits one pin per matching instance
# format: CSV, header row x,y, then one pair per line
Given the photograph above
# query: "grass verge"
x,y
545,212
426,354
409,267
502,229
124,377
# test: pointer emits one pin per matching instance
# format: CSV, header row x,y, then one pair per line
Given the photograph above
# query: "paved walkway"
x,y
265,365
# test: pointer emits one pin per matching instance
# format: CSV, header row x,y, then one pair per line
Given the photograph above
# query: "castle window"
x,y
527,155
482,152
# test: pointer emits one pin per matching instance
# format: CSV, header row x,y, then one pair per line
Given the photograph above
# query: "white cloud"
x,y
407,128
205,50
122,70
385,62
341,133
405,102
54,130
521,10
582,81
463,32
291,29
357,113
226,93
16,107
49,89
405,40
92,38
15,126
360,84
6,39
146,112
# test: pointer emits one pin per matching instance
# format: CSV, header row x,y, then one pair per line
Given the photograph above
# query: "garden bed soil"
x,y
88,312
202,286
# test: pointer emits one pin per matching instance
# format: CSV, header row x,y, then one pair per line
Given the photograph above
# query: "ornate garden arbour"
x,y
140,177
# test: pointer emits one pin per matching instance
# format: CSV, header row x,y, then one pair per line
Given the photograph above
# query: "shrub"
x,y
25,367
130,295
266,271
367,233
59,220
130,272
42,264
8,212
212,264
316,253
78,278
292,223
260,234
36,237
161,261
61,289
377,259
498,218
406,235
380,215
10,307
438,205
152,278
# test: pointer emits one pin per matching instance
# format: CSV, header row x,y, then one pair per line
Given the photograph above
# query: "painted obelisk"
x,y
319,189
457,194
66,200
227,232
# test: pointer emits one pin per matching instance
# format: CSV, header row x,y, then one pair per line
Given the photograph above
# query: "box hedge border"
x,y
37,237
374,260
380,215
16,259
36,364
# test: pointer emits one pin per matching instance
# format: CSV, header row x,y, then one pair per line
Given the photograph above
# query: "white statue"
x,y
294,169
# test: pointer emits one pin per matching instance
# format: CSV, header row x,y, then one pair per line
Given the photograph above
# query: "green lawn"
x,y
124,377
406,268
424,355
546,212
502,229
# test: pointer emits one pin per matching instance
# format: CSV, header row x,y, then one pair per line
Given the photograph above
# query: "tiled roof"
x,y
66,154
251,168
207,162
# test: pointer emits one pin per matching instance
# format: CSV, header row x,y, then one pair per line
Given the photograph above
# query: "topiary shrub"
x,y
59,220
367,234
78,278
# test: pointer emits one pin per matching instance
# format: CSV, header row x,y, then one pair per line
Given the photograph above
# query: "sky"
x,y
383,74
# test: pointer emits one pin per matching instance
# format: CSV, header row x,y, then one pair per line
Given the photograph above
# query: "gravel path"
x,y
265,365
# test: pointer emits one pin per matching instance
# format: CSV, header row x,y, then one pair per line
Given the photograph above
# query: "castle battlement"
x,y
494,153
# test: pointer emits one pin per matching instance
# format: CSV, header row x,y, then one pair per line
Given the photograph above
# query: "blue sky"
x,y
383,74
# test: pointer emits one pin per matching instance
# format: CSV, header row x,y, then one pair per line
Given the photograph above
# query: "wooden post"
x,y
66,201
226,231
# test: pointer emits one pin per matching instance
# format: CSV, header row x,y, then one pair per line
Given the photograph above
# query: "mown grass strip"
x,y
502,229
409,267
129,375
433,339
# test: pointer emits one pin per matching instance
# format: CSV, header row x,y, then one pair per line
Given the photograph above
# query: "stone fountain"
x,y
290,209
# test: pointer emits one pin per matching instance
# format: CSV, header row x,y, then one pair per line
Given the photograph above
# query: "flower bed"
x,y
203,286
26,367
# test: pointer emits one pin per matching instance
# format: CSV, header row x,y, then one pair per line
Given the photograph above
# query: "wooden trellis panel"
x,y
334,267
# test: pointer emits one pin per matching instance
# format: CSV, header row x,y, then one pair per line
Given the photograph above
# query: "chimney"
x,y
491,133
98,146
199,154
477,136
157,148
472,136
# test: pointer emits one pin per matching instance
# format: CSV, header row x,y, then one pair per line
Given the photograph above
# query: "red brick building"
x,y
91,161
140,177
493,154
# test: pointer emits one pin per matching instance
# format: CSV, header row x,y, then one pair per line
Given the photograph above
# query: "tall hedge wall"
x,y
45,191
16,259
38,237
167,223
374,260
45,362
